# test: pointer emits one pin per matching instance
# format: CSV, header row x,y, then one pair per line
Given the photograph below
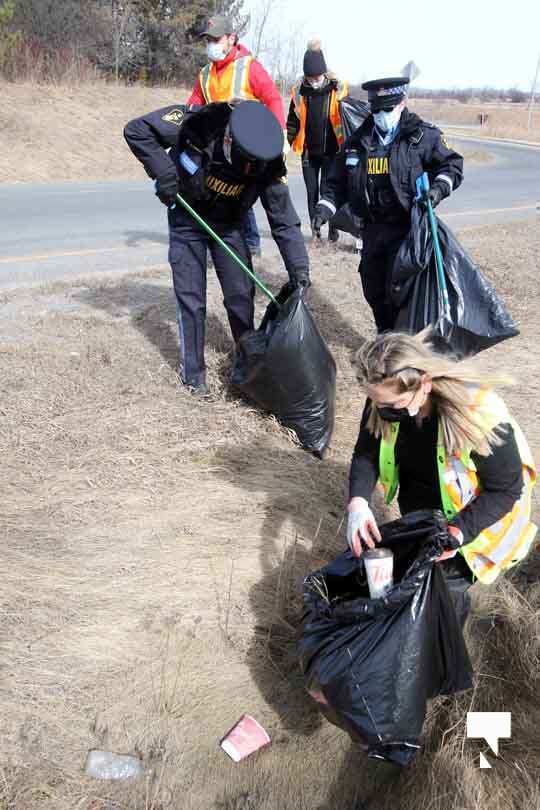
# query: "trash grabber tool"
x,y
225,247
422,188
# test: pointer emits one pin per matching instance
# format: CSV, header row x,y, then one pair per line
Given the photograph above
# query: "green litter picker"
x,y
210,231
422,188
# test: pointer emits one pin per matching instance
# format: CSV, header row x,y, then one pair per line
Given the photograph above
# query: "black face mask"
x,y
390,414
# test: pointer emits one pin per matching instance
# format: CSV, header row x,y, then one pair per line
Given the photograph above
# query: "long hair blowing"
x,y
404,359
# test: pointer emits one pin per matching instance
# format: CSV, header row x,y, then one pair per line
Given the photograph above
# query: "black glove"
x,y
300,279
322,215
436,193
167,187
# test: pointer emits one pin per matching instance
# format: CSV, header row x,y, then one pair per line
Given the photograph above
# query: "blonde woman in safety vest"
x,y
435,433
314,128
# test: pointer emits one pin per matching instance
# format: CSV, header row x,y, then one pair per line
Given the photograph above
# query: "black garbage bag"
x,y
353,113
286,367
345,220
372,664
478,318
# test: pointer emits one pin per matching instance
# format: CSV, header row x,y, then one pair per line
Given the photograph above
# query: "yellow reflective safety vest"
x,y
300,108
507,541
231,82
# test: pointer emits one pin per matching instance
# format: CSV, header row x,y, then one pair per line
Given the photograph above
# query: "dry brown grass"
x,y
504,120
53,133
78,134
56,132
153,552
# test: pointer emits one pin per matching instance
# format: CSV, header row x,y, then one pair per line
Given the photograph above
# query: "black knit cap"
x,y
386,93
256,131
314,64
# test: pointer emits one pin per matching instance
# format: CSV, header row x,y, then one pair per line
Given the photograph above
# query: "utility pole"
x,y
533,91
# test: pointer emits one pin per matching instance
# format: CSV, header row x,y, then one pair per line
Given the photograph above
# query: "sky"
x,y
461,43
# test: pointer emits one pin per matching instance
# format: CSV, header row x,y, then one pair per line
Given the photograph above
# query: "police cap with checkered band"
x,y
386,93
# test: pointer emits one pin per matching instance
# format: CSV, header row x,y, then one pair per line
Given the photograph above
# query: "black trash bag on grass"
x,y
286,367
372,664
478,318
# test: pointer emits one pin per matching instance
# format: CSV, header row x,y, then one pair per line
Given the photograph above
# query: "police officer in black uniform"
x,y
376,174
223,157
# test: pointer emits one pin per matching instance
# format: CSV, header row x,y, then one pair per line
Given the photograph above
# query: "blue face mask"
x,y
387,121
216,52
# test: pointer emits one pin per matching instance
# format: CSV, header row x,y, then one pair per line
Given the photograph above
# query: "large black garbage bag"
x,y
353,113
372,664
478,318
286,367
345,220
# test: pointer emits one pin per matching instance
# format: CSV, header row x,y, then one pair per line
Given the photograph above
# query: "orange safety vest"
x,y
300,108
507,541
231,82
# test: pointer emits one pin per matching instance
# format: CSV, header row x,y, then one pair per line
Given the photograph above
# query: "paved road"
x,y
56,231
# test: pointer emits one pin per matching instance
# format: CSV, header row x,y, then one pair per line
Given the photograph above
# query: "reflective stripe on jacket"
x,y
507,541
334,115
231,82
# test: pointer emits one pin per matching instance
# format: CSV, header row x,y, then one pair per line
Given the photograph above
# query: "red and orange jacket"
x,y
221,81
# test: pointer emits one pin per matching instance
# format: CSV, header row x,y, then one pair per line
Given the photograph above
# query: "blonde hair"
x,y
404,359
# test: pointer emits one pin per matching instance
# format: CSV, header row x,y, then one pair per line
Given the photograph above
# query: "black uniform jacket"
x,y
191,141
418,147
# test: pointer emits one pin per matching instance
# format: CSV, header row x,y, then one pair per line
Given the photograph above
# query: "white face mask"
x,y
386,121
316,83
215,51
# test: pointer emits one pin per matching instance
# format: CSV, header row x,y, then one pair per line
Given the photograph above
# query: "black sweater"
x,y
500,474
320,140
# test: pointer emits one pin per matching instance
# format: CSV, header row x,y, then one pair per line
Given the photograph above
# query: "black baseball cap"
x,y
256,131
386,93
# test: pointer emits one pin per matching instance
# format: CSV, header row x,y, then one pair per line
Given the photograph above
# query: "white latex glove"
x,y
361,525
286,146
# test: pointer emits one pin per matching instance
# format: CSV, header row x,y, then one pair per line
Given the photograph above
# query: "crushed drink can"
x,y
379,564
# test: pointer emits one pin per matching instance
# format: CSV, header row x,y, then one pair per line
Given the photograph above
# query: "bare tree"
x,y
121,16
259,24
284,56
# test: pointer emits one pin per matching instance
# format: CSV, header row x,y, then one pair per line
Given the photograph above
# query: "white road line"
x,y
89,252
533,207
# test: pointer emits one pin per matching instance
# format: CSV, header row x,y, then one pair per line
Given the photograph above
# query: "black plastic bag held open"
x,y
372,664
353,113
477,319
286,367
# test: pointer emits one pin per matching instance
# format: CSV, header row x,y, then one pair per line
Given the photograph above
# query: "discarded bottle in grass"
x,y
108,765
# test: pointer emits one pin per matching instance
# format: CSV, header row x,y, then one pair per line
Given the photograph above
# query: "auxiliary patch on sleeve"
x,y
173,117
189,165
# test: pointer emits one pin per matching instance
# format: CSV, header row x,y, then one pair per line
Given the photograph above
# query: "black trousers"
x,y
188,245
381,243
315,171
